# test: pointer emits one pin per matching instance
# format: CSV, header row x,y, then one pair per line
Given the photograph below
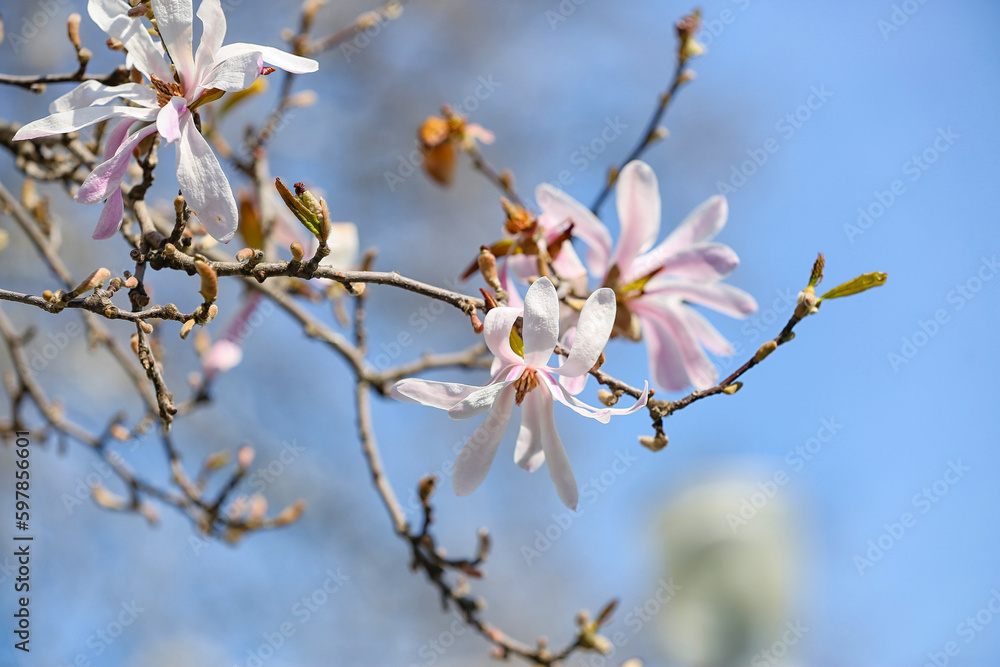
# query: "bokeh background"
x,y
823,451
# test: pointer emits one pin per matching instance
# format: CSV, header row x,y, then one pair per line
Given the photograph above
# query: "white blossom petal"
x,y
703,262
593,329
474,461
107,176
238,72
560,206
706,334
111,217
602,414
478,401
272,56
496,330
147,55
75,119
543,428
93,93
213,33
203,183
540,329
699,369
718,296
442,395
168,120
174,20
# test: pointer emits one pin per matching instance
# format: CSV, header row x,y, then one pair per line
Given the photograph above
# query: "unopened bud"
x,y
606,397
213,310
807,303
488,267
186,328
83,56
297,252
131,282
209,280
106,499
245,254
73,30
764,350
93,281
732,388
258,508
216,460
291,513
134,343
653,443
477,324
245,457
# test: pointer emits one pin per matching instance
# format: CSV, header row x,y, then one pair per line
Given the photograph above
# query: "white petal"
x,y
474,461
593,329
92,93
602,414
541,322
586,226
344,246
168,120
174,19
276,57
708,335
222,356
576,384
147,55
203,184
443,395
665,362
478,401
238,72
699,369
75,119
552,447
213,33
496,330
528,452
638,197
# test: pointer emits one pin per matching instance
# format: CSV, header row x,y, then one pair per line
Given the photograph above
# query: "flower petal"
x,y
704,262
478,401
718,296
528,452
203,183
442,395
698,369
272,56
602,415
75,119
593,329
574,384
111,217
540,329
560,206
567,264
116,135
168,120
474,461
702,224
238,72
496,330
174,21
544,429
213,32
222,356
147,55
107,176
706,334
638,197
92,93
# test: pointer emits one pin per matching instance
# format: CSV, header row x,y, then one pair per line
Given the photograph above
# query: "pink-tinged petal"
x,y
174,19
442,395
528,453
70,121
665,362
603,415
702,224
213,33
575,384
272,56
92,93
567,264
699,369
203,183
107,176
706,334
474,461
521,267
235,73
478,401
718,296
703,262
540,329
544,429
111,217
147,55
514,299
168,120
117,135
496,331
224,355
638,197
479,133
561,207
593,329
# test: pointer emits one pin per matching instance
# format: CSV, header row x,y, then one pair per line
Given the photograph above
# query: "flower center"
x,y
165,90
525,383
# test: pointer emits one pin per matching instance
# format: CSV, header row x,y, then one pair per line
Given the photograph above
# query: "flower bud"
x,y
297,252
653,443
73,30
291,513
209,280
488,267
764,350
732,388
186,328
146,327
245,457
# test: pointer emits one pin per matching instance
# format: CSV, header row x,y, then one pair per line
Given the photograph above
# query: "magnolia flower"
x,y
521,375
655,286
164,106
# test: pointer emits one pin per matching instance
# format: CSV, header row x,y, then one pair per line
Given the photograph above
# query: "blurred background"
x,y
839,510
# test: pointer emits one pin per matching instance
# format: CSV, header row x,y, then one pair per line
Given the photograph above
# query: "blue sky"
x,y
898,123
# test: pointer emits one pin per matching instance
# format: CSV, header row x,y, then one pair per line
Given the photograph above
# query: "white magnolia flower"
x,y
164,106
523,376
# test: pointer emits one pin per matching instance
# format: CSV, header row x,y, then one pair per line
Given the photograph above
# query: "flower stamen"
x,y
525,383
